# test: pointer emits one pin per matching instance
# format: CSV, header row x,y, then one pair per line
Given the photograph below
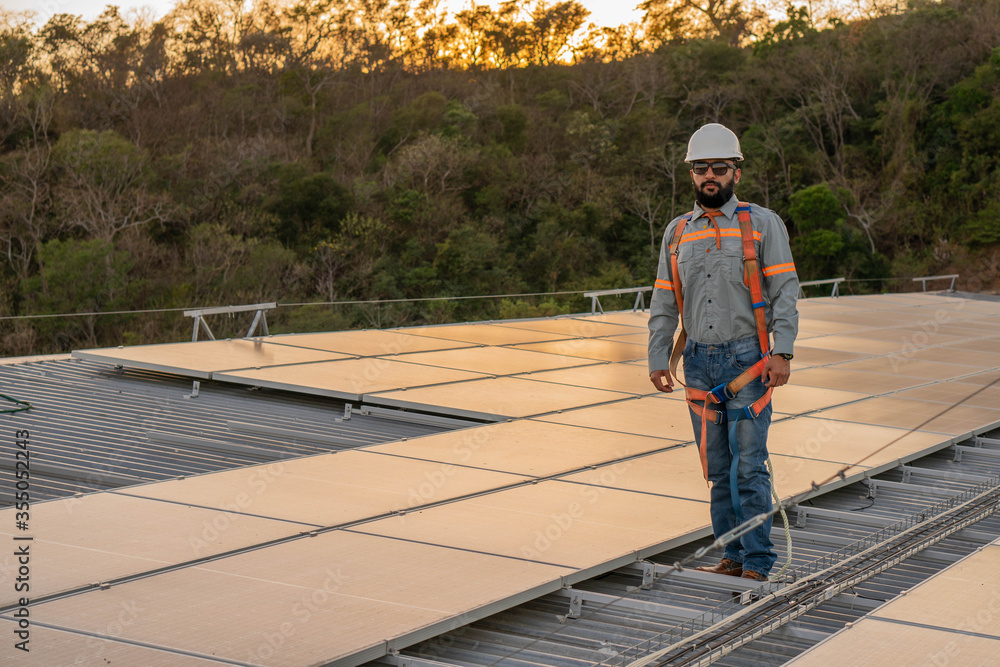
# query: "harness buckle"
x,y
721,394
759,304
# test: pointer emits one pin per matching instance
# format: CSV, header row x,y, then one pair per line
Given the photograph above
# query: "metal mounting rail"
x,y
923,280
640,300
260,318
777,605
836,285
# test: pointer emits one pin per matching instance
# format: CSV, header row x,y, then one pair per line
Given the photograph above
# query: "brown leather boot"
x,y
756,576
725,566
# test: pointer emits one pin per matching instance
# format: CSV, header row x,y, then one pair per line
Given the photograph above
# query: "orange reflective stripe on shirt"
x,y
779,268
664,284
710,233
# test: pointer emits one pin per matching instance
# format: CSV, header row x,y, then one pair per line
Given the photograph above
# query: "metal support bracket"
x,y
575,604
260,318
801,516
640,299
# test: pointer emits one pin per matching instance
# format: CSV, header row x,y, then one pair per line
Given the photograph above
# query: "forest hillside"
x,y
381,150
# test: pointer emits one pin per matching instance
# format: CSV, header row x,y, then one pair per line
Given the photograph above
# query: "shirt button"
x,y
710,275
710,301
709,326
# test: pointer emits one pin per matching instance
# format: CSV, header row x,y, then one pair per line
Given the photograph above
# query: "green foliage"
x,y
309,206
244,159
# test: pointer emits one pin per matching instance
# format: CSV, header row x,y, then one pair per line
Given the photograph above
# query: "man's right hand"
x,y
662,381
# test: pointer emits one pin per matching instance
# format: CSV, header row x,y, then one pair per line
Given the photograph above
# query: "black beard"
x,y
721,196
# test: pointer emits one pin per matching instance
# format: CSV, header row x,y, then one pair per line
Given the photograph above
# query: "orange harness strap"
x,y
722,393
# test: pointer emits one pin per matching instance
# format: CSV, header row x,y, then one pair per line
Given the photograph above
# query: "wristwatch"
x,y
786,356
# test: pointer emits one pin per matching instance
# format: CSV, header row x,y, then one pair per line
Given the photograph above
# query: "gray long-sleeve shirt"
x,y
717,305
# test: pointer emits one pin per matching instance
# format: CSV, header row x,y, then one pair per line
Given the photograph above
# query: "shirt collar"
x,y
728,209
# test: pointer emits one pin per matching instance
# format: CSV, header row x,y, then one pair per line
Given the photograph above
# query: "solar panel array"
x,y
344,557
952,618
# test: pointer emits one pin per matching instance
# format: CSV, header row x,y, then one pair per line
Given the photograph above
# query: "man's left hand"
x,y
776,371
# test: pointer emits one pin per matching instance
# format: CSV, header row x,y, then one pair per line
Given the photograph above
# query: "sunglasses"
x,y
718,168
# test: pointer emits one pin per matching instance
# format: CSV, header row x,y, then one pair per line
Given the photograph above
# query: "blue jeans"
x,y
706,367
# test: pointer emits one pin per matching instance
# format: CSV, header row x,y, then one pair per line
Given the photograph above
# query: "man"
x,y
706,268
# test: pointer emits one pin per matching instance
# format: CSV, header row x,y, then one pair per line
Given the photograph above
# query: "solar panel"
x,y
909,414
903,364
652,416
823,438
494,399
589,348
556,522
677,473
639,319
834,377
309,601
578,327
951,598
348,379
330,489
955,393
525,447
877,642
484,334
103,536
628,378
51,646
203,358
366,343
793,399
495,360
815,356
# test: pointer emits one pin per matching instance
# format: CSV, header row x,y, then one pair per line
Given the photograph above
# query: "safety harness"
x,y
721,394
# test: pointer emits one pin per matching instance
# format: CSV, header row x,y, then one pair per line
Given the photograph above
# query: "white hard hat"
x,y
713,141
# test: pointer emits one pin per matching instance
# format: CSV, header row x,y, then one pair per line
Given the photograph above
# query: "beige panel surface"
x,y
909,338
525,447
641,338
579,327
651,416
957,355
104,536
330,489
809,325
861,381
954,393
902,413
965,596
366,342
794,399
630,378
638,318
304,602
349,378
903,364
495,360
874,642
854,344
991,344
981,379
814,356
52,648
202,358
845,442
554,522
678,473
484,334
589,348
496,398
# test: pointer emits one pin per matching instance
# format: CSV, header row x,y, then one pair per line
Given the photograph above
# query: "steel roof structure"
x,y
354,496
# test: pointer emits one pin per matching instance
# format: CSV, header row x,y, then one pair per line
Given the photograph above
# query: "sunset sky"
x,y
603,12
